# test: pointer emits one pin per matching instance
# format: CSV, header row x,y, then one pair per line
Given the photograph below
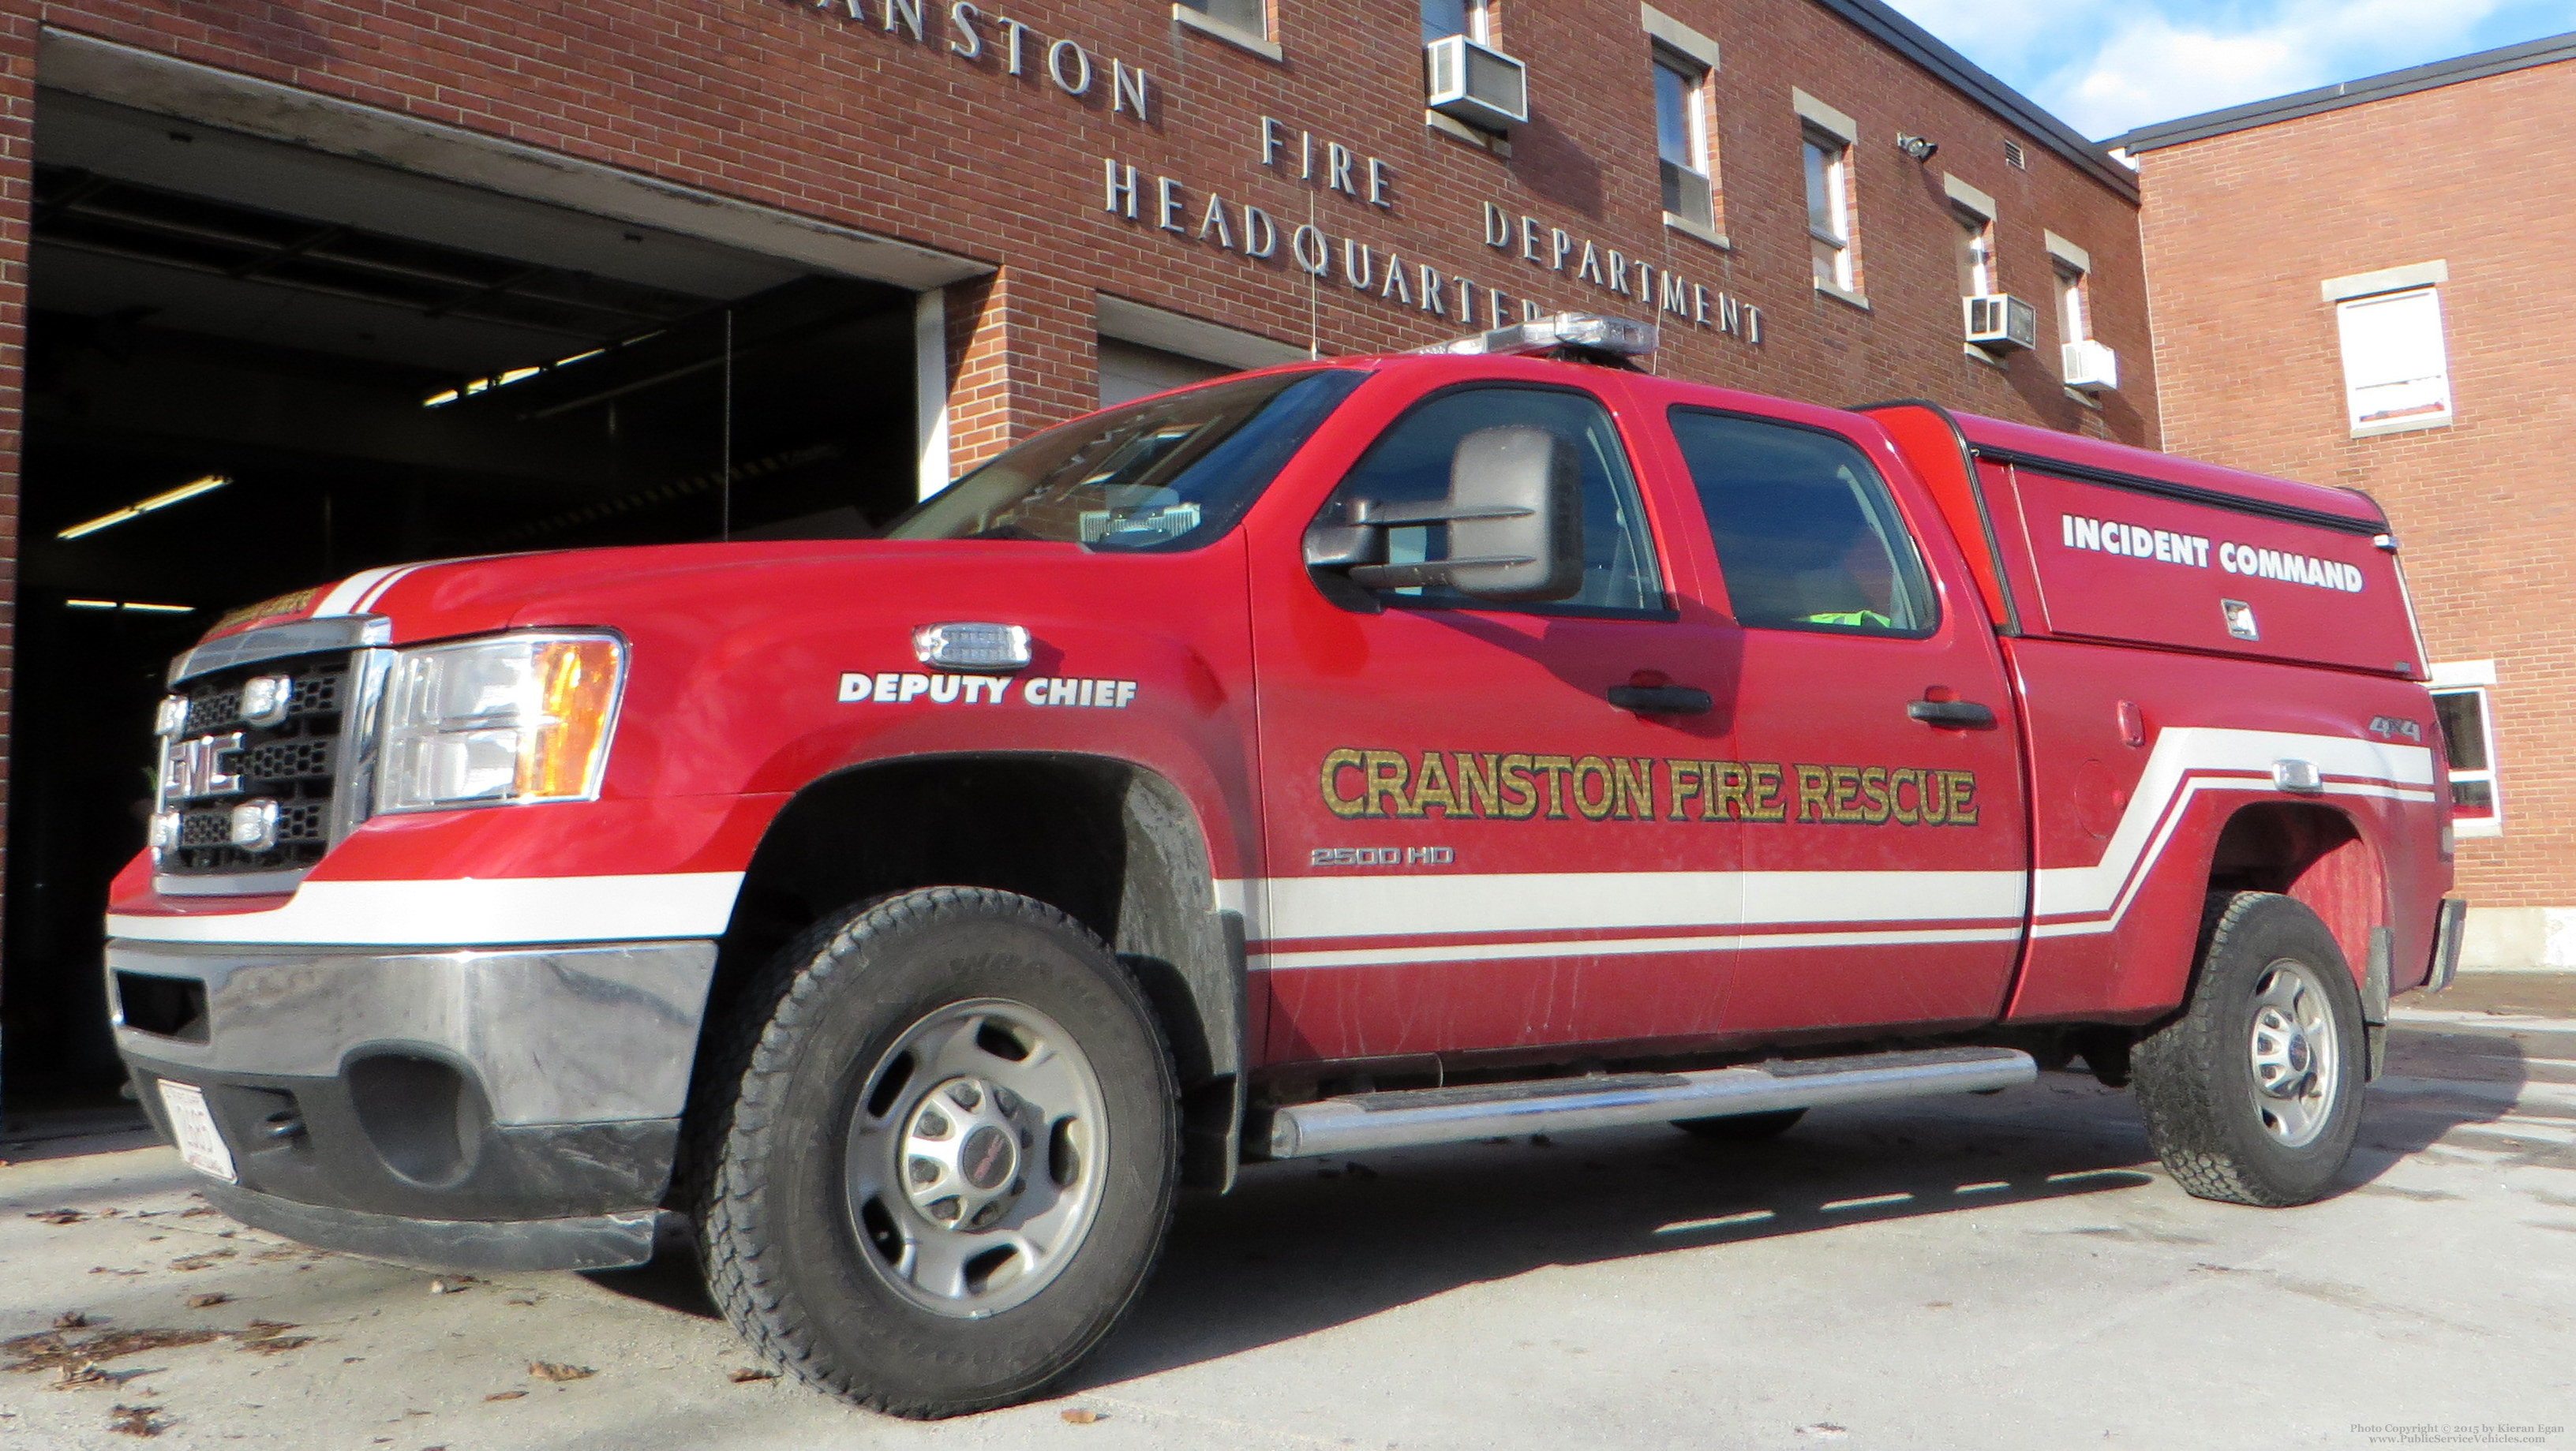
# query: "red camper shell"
x,y
2079,539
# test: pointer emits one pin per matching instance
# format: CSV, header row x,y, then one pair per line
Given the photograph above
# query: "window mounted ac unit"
x,y
1688,195
1477,85
2090,366
2000,323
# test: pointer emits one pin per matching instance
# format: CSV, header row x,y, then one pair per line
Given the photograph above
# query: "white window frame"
x,y
1480,20
1832,134
2473,678
2384,288
1694,57
1263,43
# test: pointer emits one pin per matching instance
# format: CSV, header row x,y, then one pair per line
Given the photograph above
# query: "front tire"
x,y
950,1157
2253,1095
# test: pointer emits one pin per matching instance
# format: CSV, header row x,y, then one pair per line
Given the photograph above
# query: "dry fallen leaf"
x,y
58,1216
198,1211
274,1344
1082,1417
104,1270
134,1421
505,1395
261,1329
199,1262
208,1300
71,1320
81,1377
51,1349
551,1370
752,1373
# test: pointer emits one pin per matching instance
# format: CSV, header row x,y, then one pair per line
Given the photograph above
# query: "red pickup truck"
x,y
1361,753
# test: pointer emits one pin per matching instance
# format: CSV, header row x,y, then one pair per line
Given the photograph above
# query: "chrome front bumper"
x,y
512,1108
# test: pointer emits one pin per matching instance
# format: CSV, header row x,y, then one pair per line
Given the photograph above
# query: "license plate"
x,y
199,1144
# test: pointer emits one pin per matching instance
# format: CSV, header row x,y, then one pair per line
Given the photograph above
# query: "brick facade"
x,y
2242,228
847,112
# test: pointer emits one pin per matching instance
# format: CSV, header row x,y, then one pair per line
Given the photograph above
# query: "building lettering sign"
x,y
1207,217
979,37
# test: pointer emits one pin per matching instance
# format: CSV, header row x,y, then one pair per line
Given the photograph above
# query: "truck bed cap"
x,y
1994,437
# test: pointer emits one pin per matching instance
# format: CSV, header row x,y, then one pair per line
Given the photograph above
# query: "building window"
x,y
1252,16
1444,18
1828,165
2073,325
1681,139
2396,372
1976,252
2460,706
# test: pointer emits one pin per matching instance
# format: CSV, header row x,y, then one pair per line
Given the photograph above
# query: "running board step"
x,y
1557,1105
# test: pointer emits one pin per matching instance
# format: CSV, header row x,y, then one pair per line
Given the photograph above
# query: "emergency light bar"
x,y
1590,332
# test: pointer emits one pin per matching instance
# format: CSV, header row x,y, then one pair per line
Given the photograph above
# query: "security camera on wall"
x,y
1918,147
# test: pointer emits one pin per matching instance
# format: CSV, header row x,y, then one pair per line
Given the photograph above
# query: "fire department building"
x,y
2407,334
292,289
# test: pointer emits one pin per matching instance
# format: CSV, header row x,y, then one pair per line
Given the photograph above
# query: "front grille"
x,y
299,763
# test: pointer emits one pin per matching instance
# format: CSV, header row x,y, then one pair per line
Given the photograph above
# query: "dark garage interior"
x,y
253,368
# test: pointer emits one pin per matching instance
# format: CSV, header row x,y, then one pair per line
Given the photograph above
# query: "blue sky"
x,y
2105,66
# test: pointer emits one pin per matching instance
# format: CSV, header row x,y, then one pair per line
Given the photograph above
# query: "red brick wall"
x,y
2241,229
795,105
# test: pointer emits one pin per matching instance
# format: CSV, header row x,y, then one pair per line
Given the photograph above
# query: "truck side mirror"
x,y
1515,517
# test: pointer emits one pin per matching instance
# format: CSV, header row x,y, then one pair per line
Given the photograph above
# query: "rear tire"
x,y
2253,1095
1742,1128
950,1154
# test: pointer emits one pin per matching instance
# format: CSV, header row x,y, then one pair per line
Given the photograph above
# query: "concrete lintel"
x,y
1679,37
1968,196
146,80
1823,117
2067,252
2386,279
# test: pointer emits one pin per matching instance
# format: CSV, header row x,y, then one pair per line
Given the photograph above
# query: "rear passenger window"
x,y
1807,536
1409,463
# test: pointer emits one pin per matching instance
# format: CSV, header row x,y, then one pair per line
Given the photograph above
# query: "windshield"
x,y
1168,473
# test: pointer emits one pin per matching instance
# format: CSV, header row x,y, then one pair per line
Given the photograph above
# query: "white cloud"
x,y
2105,66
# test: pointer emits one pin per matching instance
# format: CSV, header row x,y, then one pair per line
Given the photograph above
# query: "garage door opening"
x,y
254,367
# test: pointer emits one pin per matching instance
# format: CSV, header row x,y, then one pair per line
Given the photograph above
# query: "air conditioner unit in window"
x,y
1477,85
2000,323
2090,366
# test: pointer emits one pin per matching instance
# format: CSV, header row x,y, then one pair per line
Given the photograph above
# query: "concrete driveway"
x,y
2003,1272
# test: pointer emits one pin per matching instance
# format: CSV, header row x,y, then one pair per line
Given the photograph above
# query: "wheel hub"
x,y
2292,1051
961,1153
973,1159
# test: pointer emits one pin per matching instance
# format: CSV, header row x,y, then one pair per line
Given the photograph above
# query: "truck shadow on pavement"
x,y
1308,1245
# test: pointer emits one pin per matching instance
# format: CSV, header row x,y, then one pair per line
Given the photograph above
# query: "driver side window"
x,y
1410,463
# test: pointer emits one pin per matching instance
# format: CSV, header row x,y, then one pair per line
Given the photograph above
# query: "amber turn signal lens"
x,y
576,692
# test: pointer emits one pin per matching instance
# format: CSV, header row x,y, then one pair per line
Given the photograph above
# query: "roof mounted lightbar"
x,y
1589,336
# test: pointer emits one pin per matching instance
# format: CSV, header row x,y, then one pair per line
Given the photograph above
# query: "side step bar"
x,y
1556,1105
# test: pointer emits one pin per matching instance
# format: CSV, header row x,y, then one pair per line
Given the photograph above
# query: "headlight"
x,y
509,719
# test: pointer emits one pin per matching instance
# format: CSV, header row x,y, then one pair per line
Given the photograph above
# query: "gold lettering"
x,y
1387,772
1812,783
1897,781
1431,787
1556,769
1335,763
1592,766
1477,785
1963,797
1873,794
1936,797
1726,803
1633,788
1687,778
1762,799
1520,793
1846,793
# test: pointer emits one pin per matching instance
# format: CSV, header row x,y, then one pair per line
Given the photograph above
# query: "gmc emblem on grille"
x,y
196,767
